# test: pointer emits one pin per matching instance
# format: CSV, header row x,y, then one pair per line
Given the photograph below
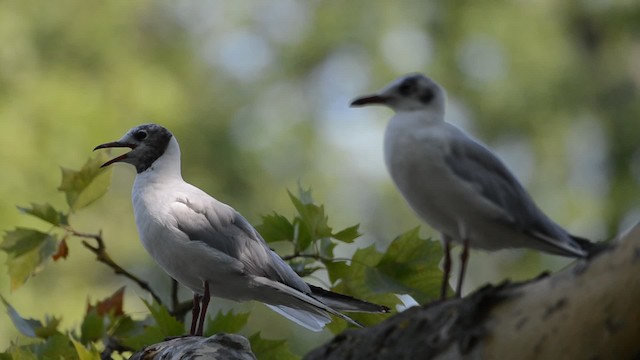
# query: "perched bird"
x,y
208,246
456,184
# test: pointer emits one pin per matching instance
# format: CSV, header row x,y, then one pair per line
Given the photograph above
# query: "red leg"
x,y
203,312
464,256
446,271
194,313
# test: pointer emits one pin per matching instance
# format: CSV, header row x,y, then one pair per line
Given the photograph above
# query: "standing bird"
x,y
208,246
456,184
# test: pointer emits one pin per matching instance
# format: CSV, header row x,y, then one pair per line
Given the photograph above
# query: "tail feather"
x,y
300,306
342,302
312,321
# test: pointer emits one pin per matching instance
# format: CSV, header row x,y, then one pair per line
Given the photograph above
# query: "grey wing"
x,y
224,229
477,165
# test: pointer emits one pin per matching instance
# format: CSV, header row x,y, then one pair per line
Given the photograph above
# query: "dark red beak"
x,y
115,144
369,99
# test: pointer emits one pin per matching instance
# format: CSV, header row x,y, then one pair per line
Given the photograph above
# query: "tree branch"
x,y
587,311
102,256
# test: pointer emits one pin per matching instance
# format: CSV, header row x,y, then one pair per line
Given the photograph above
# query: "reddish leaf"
x,y
112,303
63,251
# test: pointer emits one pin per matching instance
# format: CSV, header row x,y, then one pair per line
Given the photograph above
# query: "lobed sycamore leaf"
x,y
347,235
409,266
226,323
111,305
349,278
166,323
265,349
84,186
47,213
275,227
27,251
57,346
92,327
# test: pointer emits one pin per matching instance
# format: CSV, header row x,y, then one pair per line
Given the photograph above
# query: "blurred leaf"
x,y
226,322
111,305
92,328
326,247
63,251
275,227
47,213
167,324
270,349
409,266
349,278
58,346
84,186
27,250
21,353
347,235
312,223
25,326
50,328
150,334
84,353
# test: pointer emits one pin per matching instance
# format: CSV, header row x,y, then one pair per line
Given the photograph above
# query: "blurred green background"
x,y
257,93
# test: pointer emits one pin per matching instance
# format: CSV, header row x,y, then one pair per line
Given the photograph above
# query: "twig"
x,y
181,309
101,254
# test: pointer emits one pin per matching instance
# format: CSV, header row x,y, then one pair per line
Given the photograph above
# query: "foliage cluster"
x,y
408,266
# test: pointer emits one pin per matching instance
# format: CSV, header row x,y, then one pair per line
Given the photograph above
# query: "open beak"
x,y
115,144
369,100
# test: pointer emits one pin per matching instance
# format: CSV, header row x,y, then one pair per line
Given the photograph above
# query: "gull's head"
x,y
408,93
147,142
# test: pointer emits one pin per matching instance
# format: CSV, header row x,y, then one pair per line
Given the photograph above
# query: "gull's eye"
x,y
426,96
406,88
140,135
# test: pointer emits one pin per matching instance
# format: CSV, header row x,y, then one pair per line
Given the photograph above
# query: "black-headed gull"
x,y
455,183
208,246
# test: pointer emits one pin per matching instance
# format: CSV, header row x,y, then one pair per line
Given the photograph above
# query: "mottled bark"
x,y
588,311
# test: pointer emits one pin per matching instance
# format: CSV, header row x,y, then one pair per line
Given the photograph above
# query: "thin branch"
x,y
181,309
102,256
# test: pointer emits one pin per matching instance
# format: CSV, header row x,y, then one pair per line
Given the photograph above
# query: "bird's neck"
x,y
418,118
165,168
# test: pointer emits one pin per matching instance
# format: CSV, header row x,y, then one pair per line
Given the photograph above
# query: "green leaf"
x,y
275,227
349,278
226,322
58,346
84,186
27,250
347,235
84,353
166,323
92,328
270,349
409,266
312,223
140,334
25,326
50,327
47,213
22,353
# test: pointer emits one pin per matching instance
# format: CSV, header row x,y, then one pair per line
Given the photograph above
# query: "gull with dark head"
x,y
208,246
456,184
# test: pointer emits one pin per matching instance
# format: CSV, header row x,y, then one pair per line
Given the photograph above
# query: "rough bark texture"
x,y
217,347
588,311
